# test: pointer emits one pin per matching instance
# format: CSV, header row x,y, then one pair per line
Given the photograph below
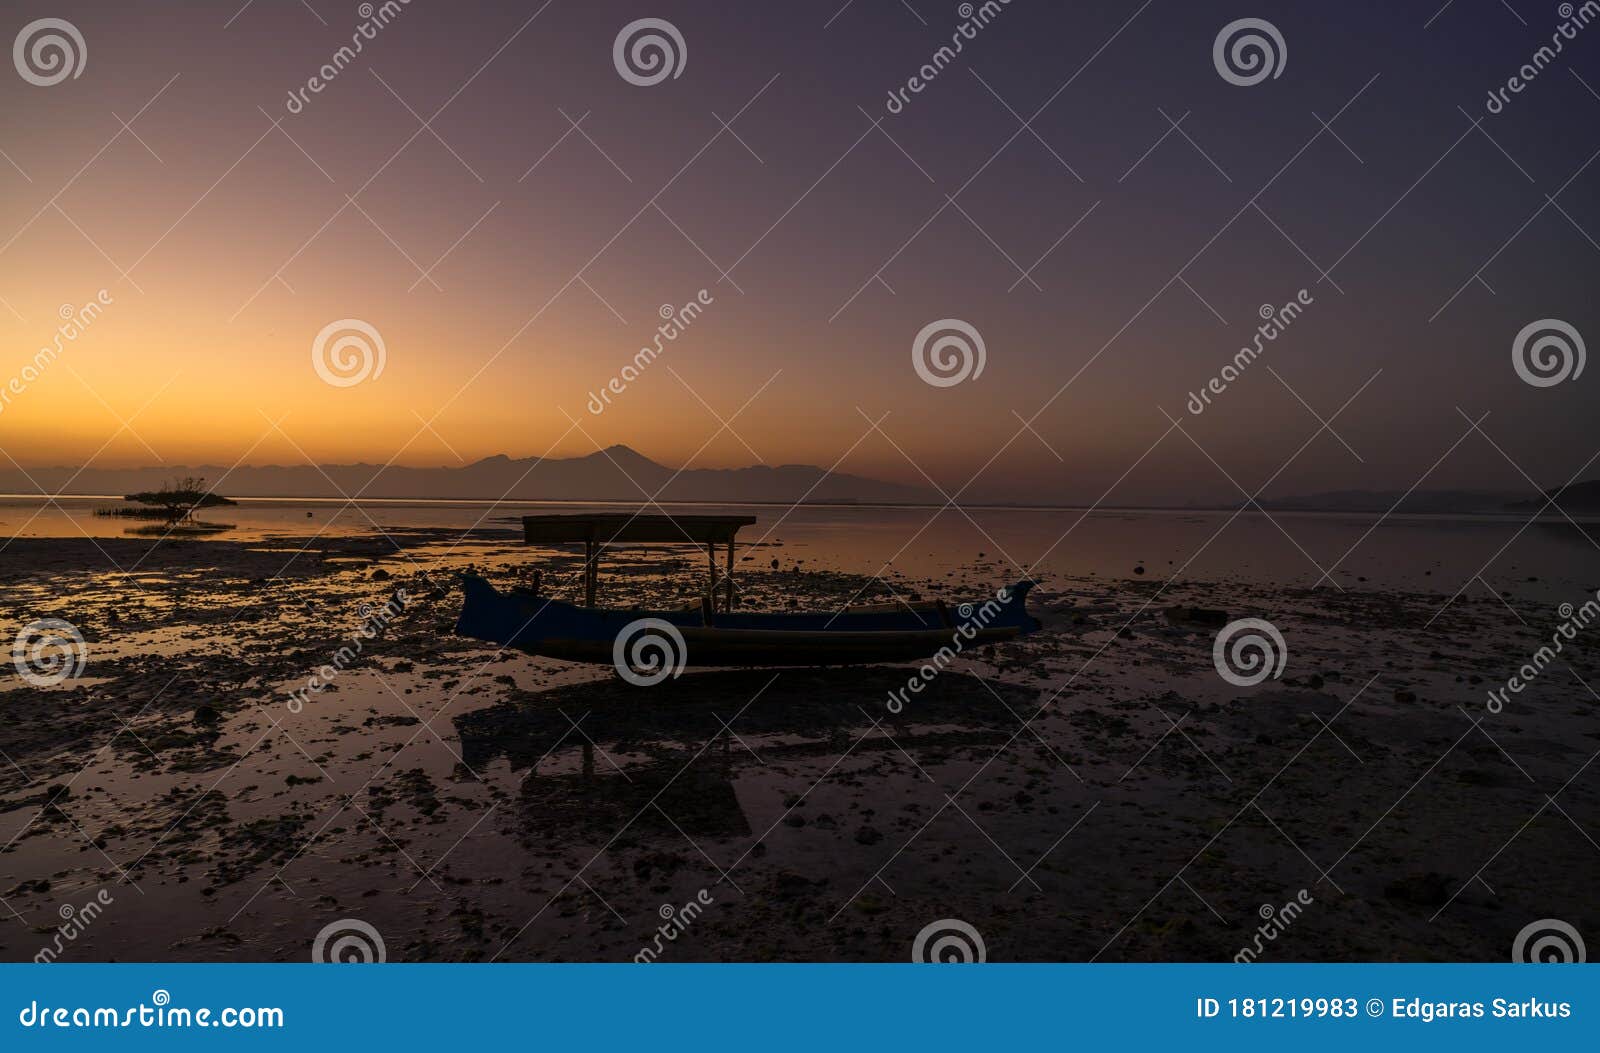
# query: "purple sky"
x,y
1113,254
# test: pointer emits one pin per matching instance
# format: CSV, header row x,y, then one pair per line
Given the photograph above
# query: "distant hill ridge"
x,y
1577,498
617,473
620,473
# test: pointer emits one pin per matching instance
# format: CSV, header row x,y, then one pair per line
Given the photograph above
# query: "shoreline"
x,y
1580,518
433,779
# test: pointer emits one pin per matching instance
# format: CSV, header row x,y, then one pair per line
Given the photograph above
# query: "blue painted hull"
x,y
556,629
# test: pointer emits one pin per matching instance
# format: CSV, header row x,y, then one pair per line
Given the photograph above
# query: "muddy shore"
x,y
1095,791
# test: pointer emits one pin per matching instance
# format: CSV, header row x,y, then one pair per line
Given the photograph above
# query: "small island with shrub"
x,y
173,506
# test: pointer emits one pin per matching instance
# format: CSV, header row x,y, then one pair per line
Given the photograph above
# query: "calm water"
x,y
1548,559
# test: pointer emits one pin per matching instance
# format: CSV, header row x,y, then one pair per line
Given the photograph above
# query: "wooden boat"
x,y
668,640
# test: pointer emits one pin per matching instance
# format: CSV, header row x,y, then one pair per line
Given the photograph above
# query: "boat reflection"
x,y
603,753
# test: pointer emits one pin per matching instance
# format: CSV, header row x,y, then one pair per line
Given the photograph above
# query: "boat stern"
x,y
1016,604
485,614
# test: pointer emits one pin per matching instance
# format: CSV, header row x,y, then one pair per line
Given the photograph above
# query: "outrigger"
x,y
713,635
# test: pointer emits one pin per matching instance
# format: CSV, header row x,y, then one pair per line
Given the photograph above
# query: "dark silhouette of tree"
x,y
177,500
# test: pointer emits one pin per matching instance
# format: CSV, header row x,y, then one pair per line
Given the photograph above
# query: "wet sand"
x,y
1094,791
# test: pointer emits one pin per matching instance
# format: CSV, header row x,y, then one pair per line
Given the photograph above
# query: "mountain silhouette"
x,y
617,473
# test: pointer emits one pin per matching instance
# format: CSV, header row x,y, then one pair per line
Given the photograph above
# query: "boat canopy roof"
x,y
622,527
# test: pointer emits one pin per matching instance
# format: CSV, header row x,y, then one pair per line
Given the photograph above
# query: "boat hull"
x,y
556,629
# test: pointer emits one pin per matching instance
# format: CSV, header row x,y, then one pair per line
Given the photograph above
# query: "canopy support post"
x,y
711,570
727,603
591,571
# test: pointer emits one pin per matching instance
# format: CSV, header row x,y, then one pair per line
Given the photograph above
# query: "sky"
x,y
484,189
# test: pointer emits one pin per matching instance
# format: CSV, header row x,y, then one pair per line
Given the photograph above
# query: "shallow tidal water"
x,y
1096,790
